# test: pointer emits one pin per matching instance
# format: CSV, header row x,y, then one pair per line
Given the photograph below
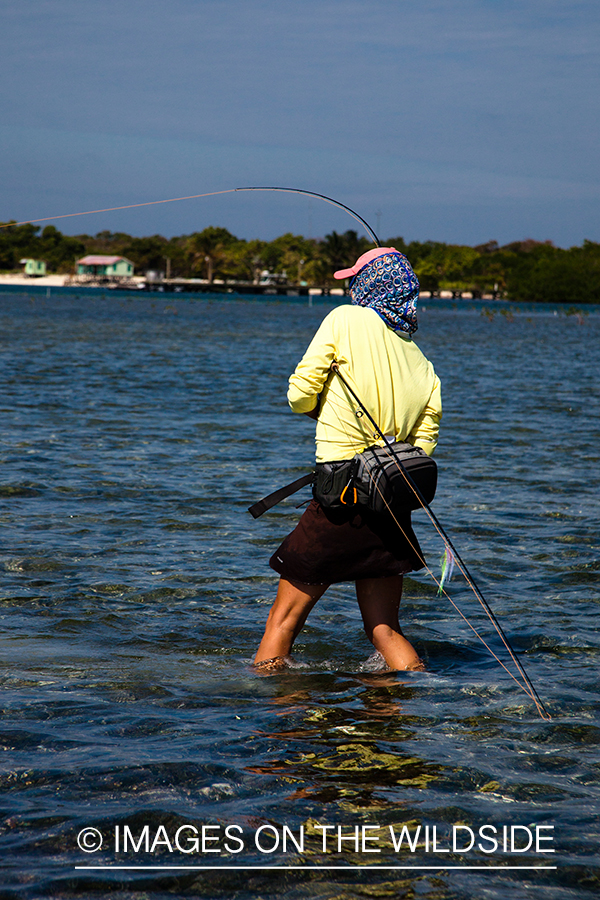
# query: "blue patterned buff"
x,y
390,287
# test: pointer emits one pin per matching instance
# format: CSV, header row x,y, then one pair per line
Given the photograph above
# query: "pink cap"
x,y
364,260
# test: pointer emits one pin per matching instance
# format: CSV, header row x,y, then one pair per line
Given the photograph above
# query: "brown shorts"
x,y
329,546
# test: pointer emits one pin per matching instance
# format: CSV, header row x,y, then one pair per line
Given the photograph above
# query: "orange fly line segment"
x,y
90,212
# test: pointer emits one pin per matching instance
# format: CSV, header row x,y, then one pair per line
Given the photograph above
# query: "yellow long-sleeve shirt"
x,y
388,372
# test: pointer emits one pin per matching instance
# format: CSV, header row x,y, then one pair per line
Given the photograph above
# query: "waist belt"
x,y
257,509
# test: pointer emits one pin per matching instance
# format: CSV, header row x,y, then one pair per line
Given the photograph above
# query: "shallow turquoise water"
x,y
134,434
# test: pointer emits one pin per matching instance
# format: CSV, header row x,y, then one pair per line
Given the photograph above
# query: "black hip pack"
x,y
394,478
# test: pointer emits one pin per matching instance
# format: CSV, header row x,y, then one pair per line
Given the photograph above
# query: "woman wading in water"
x,y
371,342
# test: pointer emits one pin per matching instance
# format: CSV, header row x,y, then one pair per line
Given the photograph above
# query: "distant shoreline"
x,y
138,283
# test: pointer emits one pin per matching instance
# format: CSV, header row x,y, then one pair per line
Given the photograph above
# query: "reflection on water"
x,y
135,586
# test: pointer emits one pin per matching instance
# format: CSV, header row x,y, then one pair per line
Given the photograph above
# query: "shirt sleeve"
x,y
313,370
426,429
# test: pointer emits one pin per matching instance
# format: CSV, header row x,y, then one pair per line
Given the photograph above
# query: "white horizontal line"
x,y
287,868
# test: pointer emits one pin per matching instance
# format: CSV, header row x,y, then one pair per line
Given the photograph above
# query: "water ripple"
x,y
134,434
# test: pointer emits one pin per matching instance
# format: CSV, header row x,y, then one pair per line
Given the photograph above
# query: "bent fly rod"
x,y
528,688
287,190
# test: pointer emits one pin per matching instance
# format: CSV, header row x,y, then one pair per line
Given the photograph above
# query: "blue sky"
x,y
458,121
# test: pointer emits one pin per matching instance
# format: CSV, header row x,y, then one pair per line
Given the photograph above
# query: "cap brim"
x,y
344,273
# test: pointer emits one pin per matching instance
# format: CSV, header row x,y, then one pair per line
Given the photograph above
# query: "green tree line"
x,y
523,270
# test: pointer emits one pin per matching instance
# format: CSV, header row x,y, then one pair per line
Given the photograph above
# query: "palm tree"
x,y
209,247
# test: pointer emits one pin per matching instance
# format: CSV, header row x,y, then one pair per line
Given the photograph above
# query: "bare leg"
x,y
379,599
288,614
